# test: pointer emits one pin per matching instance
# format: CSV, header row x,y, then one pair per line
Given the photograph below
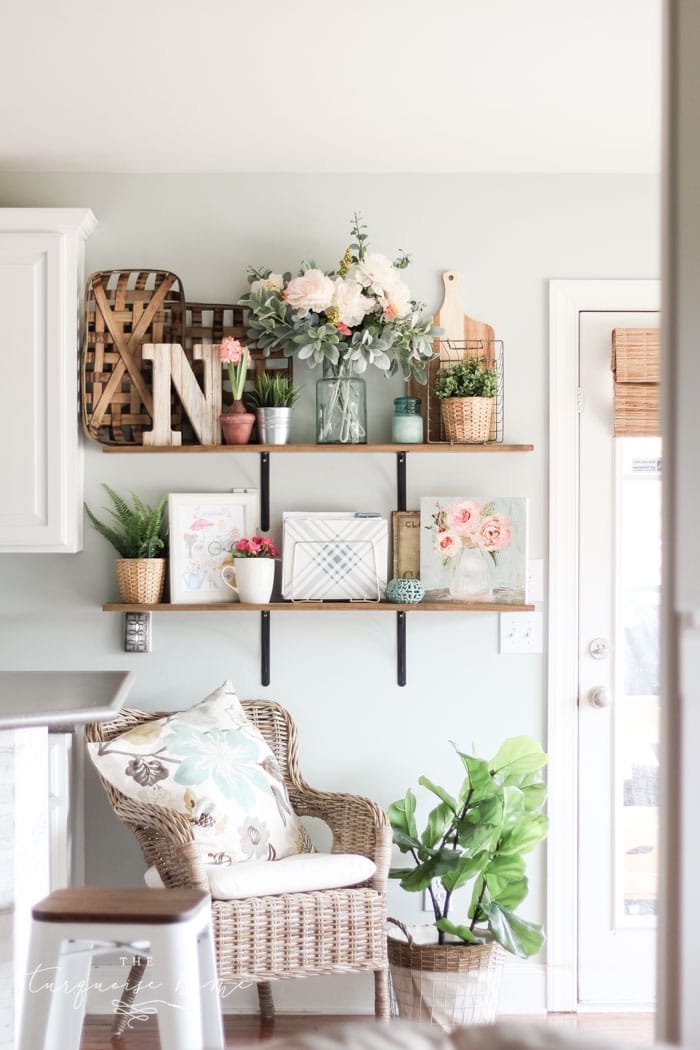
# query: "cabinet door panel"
x,y
38,394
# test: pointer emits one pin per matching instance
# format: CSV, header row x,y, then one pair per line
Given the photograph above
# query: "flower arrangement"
x,y
235,356
255,547
357,315
467,524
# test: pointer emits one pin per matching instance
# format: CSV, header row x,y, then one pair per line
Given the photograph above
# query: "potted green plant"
x,y
475,839
271,399
136,532
466,391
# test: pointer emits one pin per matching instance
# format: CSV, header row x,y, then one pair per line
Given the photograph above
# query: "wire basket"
x,y
451,352
445,984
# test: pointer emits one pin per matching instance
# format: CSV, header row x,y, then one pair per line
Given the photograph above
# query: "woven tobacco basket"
x,y
445,984
127,308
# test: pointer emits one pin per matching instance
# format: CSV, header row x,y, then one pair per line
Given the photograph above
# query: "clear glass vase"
x,y
469,579
341,407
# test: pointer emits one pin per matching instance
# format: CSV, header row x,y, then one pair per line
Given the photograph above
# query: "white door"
x,y
619,594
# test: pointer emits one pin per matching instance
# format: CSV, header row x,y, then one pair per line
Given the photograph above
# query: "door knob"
x,y
599,696
599,648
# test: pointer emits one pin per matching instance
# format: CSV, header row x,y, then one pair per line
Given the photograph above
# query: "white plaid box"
x,y
339,556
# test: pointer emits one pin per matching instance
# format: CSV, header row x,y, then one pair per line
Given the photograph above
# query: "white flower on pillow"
x,y
229,760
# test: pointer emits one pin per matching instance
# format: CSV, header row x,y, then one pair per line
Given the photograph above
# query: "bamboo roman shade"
x,y
635,367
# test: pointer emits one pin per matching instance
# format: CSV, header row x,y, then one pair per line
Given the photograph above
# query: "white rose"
x,y
375,271
313,291
273,283
397,301
352,304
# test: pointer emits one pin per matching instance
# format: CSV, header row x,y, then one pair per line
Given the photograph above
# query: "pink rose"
x,y
463,517
446,543
231,351
493,533
313,291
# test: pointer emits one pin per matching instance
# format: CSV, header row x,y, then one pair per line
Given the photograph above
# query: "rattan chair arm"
x,y
358,824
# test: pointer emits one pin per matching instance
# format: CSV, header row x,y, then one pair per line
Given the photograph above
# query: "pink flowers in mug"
x,y
255,547
467,523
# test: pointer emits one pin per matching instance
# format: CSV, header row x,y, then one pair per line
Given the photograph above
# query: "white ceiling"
x,y
321,86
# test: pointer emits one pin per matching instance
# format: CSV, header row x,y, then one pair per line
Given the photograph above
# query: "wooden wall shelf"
x,y
149,450
138,617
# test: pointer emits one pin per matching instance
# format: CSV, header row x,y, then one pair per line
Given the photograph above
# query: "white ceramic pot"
x,y
251,579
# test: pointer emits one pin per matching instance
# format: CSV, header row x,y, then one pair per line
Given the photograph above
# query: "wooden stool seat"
x,y
104,904
172,927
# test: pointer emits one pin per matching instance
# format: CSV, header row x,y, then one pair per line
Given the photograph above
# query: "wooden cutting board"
x,y
469,338
457,325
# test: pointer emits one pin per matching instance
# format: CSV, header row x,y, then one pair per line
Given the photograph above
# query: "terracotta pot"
x,y
236,424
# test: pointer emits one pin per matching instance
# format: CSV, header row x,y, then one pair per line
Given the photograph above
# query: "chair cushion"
x,y
294,874
213,765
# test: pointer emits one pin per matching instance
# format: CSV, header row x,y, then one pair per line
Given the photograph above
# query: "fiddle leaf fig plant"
x,y
479,836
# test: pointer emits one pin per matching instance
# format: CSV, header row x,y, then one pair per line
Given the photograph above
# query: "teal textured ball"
x,y
405,592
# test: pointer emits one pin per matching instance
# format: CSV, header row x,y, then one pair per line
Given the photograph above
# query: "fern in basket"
x,y
136,531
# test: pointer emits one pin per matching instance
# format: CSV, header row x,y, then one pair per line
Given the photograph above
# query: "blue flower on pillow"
x,y
227,758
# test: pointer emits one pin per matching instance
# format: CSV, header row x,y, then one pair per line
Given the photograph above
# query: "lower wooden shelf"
x,y
137,633
319,606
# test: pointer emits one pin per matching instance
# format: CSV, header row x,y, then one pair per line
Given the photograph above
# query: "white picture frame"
x,y
203,526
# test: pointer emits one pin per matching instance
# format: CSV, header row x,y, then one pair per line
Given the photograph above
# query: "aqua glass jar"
x,y
407,422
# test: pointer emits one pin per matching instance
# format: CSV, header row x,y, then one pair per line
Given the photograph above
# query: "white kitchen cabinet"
x,y
41,287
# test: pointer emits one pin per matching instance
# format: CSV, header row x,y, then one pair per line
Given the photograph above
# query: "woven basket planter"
x,y
141,580
445,984
467,420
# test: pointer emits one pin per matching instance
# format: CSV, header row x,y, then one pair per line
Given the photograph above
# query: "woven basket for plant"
x,y
141,580
445,984
467,420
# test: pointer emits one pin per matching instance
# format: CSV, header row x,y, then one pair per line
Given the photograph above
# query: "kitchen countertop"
x,y
61,700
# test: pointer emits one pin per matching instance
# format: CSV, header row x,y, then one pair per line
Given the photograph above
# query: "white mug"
x,y
254,579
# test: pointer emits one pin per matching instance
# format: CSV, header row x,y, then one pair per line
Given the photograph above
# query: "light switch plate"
x,y
521,632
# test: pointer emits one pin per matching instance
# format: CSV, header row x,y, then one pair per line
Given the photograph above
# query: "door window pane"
x,y
638,594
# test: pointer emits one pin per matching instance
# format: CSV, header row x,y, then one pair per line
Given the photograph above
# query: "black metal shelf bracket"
x,y
264,492
401,648
401,481
265,647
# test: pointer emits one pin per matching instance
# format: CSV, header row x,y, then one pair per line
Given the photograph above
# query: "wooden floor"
x,y
627,1028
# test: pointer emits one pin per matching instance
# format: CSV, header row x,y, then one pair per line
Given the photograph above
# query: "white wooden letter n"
x,y
203,408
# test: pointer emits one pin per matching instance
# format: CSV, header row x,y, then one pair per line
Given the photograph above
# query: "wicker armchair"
x,y
263,939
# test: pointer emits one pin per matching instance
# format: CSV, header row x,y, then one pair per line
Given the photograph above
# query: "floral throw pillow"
x,y
213,765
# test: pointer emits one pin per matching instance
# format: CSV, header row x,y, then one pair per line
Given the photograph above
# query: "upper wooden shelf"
x,y
434,447
318,607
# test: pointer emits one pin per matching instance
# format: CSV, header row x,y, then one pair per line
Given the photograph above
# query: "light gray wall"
x,y
507,235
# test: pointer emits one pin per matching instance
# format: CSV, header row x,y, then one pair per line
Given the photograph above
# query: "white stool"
x,y
172,927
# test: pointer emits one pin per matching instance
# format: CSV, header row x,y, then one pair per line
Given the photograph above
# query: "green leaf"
x,y
479,775
525,834
463,932
439,820
440,792
467,868
534,796
518,755
515,935
501,871
421,877
513,894
402,815
473,836
513,805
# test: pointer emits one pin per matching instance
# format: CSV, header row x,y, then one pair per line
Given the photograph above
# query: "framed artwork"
x,y
203,528
474,549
